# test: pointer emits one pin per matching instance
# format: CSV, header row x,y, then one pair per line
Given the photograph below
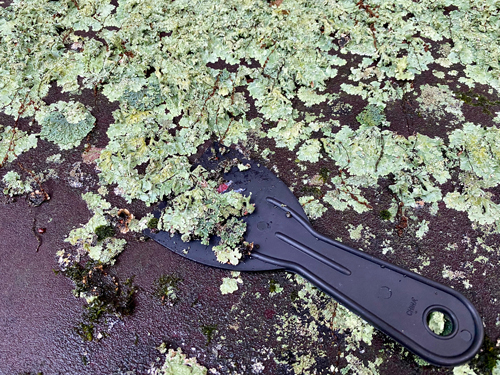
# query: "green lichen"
x,y
153,223
146,98
372,116
166,289
208,331
464,370
309,151
310,97
104,231
13,185
230,284
56,159
274,288
439,323
96,236
423,228
312,207
202,212
416,163
14,142
476,151
355,232
385,215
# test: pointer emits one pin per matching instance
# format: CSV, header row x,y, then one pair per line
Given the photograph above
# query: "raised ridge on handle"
x,y
307,250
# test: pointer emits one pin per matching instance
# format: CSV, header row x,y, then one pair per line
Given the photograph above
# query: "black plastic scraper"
x,y
396,301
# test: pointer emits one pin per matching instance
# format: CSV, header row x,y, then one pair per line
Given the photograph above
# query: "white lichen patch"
x,y
423,228
437,100
312,207
177,363
230,284
448,273
386,247
355,232
464,370
257,367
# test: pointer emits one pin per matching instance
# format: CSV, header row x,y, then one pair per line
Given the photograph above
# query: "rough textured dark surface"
x,y
39,314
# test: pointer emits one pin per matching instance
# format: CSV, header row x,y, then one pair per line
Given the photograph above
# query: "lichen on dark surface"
x,y
382,118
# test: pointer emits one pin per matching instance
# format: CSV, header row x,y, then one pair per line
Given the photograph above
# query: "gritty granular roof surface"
x,y
238,333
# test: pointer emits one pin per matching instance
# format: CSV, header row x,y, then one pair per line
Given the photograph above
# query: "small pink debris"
x,y
76,46
269,313
223,187
91,155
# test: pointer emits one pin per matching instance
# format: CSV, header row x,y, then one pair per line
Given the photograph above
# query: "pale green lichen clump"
x,y
202,212
65,123
13,185
100,249
176,363
230,284
97,237
13,142
436,322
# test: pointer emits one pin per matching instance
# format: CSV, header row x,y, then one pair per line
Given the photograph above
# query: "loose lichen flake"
x,y
230,284
177,363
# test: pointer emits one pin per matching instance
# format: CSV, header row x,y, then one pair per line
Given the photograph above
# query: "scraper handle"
x,y
396,301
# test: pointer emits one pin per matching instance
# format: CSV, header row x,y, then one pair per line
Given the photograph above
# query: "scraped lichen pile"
x,y
241,71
